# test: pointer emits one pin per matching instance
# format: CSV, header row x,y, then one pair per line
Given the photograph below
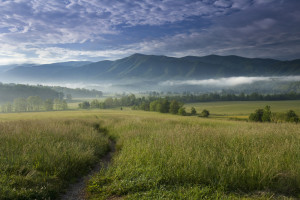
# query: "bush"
x,y
266,117
193,111
84,105
182,111
291,116
257,116
204,113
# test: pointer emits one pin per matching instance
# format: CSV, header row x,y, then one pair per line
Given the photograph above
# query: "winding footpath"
x,y
77,190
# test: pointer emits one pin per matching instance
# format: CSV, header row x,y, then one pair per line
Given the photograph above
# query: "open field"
x,y
242,109
159,156
172,157
38,158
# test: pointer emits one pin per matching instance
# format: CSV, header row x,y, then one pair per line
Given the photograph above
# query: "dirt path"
x,y
77,190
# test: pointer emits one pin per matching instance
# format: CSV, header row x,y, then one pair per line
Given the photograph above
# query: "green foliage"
x,y
174,107
182,111
60,104
48,104
20,105
84,105
9,92
266,117
204,113
291,116
77,93
193,111
257,116
34,103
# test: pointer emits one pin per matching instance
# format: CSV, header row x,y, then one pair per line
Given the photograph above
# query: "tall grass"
x,y
39,158
172,157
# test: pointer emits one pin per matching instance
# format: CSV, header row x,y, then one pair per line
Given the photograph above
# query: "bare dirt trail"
x,y
77,190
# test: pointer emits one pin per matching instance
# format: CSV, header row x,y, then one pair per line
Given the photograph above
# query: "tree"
x,y
257,116
182,111
291,116
20,104
153,105
193,111
84,105
163,106
48,104
6,108
95,104
205,113
174,107
266,117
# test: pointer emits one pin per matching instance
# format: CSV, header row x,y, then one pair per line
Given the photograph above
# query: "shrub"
x,y
257,116
266,117
204,113
182,111
291,116
193,111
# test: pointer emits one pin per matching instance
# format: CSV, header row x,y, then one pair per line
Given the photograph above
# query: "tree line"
x,y
265,115
151,103
143,103
193,98
34,103
9,92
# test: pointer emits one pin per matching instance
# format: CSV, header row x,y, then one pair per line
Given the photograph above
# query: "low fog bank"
x,y
231,81
274,84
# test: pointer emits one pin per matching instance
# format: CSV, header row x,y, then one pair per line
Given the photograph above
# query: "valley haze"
x,y
140,72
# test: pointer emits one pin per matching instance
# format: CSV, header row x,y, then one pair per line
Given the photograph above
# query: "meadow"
x,y
158,156
39,158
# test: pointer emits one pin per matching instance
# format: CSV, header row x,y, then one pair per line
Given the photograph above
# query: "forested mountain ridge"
x,y
141,66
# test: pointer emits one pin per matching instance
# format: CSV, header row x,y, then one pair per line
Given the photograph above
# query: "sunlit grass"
x,y
173,157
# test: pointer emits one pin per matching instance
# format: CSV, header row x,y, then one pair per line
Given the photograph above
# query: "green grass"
x,y
38,158
171,157
159,156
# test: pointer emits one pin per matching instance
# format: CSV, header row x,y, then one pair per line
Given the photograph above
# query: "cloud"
x,y
91,29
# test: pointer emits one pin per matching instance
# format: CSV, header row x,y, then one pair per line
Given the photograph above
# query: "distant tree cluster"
x,y
34,103
265,115
127,100
152,103
193,98
78,92
9,92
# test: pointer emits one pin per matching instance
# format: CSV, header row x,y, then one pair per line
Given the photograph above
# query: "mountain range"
x,y
153,67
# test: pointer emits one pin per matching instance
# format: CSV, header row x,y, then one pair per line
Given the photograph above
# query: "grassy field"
x,y
242,109
39,158
159,156
171,157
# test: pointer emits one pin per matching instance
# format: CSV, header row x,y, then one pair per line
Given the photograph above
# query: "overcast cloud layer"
x,y
42,31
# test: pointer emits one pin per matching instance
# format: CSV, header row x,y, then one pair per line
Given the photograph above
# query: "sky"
x,y
47,31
